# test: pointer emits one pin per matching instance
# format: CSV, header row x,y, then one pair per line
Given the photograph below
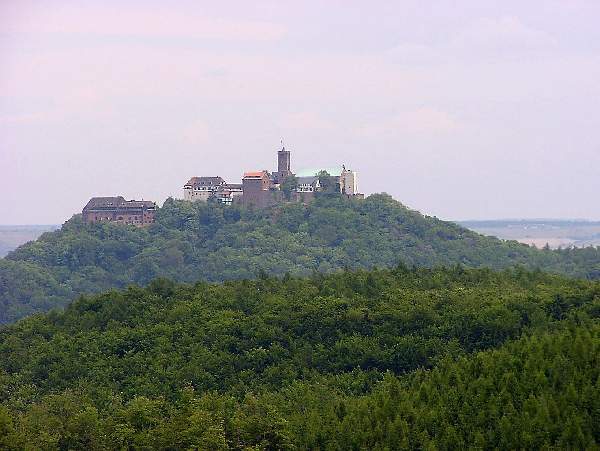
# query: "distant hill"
x,y
541,232
12,236
196,241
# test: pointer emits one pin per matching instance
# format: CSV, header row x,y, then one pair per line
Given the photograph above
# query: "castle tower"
x,y
283,161
348,183
283,165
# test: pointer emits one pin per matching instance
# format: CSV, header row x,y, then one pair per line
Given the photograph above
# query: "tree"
x,y
329,184
289,185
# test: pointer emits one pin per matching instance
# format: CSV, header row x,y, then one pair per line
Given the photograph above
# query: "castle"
x,y
262,188
258,188
139,213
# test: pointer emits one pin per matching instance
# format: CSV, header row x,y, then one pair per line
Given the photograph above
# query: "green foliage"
x,y
329,184
197,241
537,393
383,359
289,185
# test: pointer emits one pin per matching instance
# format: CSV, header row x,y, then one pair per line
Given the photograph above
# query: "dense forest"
x,y
402,358
196,241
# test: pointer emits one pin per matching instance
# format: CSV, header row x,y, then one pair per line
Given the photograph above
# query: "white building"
x,y
308,184
227,193
202,188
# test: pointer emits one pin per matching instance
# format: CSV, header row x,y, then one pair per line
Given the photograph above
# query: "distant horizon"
x,y
578,220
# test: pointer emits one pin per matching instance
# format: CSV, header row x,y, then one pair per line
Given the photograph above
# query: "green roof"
x,y
311,172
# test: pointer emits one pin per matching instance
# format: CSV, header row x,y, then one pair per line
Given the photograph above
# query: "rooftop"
x,y
254,174
309,180
211,181
116,202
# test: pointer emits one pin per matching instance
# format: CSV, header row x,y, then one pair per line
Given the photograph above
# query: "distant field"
x,y
13,236
555,233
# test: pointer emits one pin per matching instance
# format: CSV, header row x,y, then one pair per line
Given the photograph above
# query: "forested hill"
x,y
387,359
195,241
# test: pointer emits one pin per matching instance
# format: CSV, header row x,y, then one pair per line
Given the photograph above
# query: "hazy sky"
x,y
460,109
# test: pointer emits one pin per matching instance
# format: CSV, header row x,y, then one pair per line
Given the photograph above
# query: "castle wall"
x,y
256,192
133,215
196,195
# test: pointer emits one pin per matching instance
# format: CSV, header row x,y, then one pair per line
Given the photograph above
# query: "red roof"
x,y
254,174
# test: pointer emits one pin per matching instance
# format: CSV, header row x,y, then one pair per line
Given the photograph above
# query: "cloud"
x,y
411,53
416,122
500,34
22,118
499,38
196,133
120,21
304,120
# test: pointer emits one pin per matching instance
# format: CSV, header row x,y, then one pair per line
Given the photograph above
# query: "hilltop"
x,y
191,241
385,359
